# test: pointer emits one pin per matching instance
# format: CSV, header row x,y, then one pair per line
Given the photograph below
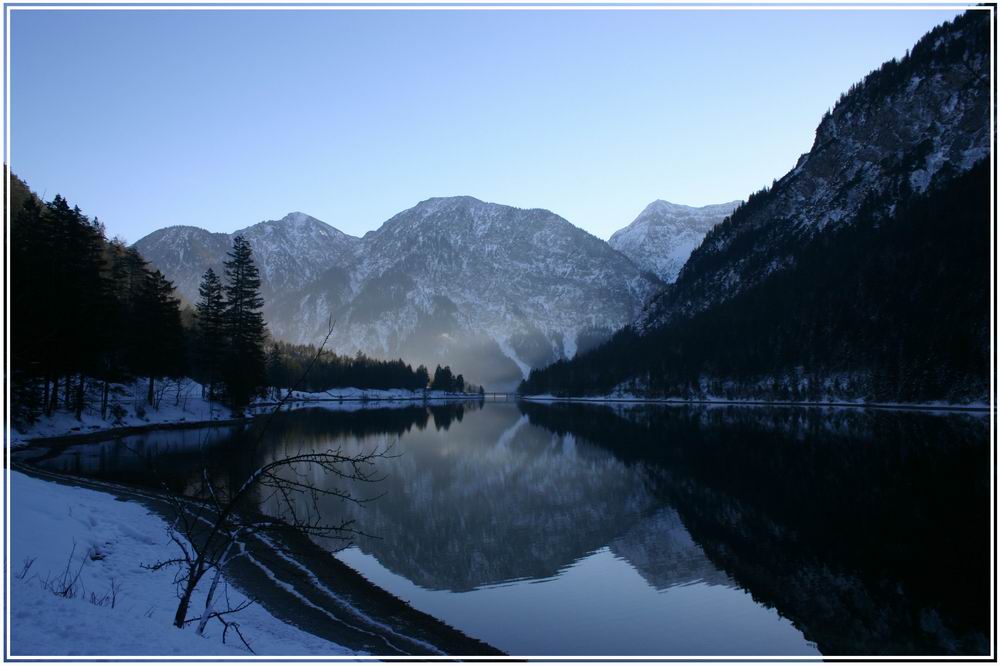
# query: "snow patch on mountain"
x,y
509,352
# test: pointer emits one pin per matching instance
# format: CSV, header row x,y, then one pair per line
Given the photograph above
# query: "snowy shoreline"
x,y
115,607
182,407
973,407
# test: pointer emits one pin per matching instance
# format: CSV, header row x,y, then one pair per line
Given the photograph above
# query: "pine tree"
x,y
211,329
277,375
29,288
160,348
421,378
245,367
443,379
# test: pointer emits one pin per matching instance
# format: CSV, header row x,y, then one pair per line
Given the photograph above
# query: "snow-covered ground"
x,y
177,401
53,527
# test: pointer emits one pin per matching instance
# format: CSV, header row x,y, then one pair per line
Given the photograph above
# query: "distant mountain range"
x,y
665,234
785,293
862,273
492,290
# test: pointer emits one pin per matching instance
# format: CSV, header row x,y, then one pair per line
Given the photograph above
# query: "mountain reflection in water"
x,y
647,530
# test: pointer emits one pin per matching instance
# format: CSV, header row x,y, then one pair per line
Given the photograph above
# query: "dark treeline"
x,y
887,308
287,364
83,308
89,311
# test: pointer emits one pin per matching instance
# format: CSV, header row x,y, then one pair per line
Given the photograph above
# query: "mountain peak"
x,y
295,219
664,234
298,218
436,205
297,224
457,199
661,206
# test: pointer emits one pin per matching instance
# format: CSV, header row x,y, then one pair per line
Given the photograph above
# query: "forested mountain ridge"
x,y
910,123
494,289
664,234
862,273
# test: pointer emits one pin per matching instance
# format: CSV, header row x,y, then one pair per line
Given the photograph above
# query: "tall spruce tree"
x,y
210,316
160,347
245,367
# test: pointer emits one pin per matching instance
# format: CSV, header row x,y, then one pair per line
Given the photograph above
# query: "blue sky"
x,y
221,119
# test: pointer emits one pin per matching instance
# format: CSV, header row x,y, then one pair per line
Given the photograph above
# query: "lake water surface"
x,y
645,530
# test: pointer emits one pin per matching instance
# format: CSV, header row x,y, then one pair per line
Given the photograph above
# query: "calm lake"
x,y
644,530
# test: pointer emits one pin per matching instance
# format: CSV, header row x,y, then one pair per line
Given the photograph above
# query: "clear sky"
x,y
221,119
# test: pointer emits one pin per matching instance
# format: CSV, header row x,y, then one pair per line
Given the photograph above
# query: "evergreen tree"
x,y
210,321
278,376
30,337
422,378
245,365
158,323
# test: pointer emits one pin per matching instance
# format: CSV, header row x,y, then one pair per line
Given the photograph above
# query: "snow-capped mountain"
x,y
913,122
662,238
290,253
295,250
489,289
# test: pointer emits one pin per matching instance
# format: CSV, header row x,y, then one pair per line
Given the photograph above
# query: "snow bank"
x,y
351,393
177,401
107,541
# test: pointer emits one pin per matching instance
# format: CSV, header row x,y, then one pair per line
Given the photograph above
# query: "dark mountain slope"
x,y
908,126
888,309
862,273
